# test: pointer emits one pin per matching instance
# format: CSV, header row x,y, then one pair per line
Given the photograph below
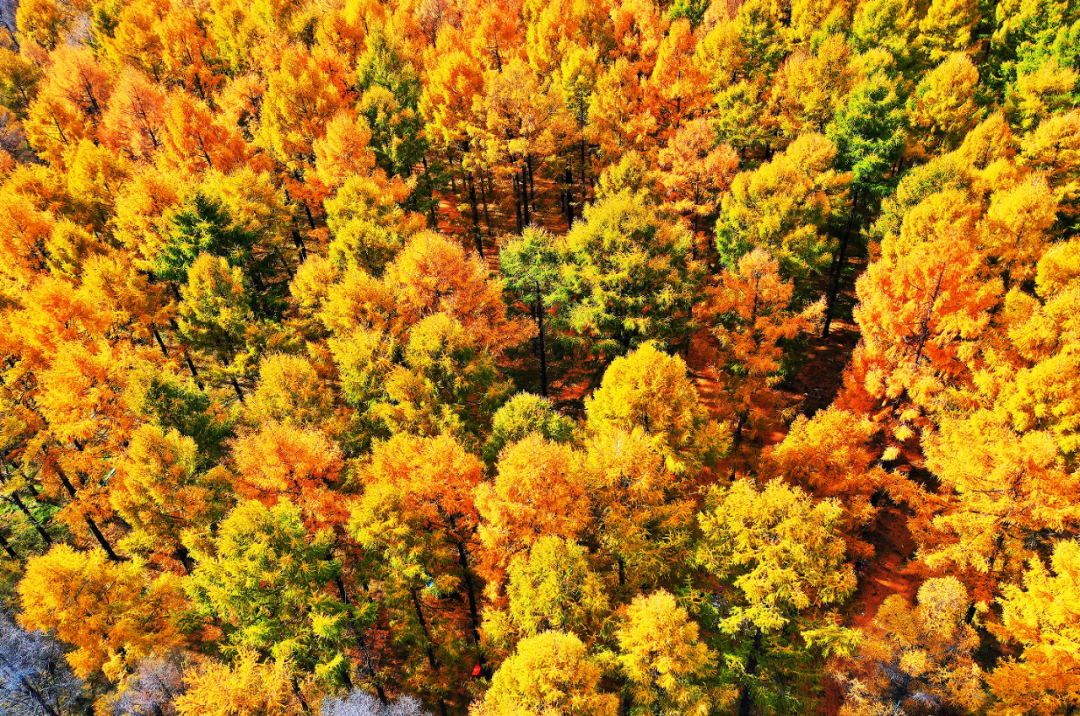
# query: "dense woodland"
x,y
550,357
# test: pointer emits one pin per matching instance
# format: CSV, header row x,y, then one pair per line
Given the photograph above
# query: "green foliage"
x,y
628,277
869,134
202,225
266,580
180,405
523,415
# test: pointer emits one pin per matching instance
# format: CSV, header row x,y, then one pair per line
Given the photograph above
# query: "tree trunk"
x,y
424,627
470,592
299,696
526,218
299,242
543,346
532,183
433,222
475,214
568,177
584,187
517,204
8,548
484,199
361,646
161,343
838,269
37,525
89,520
745,700
183,556
236,387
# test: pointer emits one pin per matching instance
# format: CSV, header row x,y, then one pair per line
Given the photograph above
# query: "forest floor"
x,y
812,387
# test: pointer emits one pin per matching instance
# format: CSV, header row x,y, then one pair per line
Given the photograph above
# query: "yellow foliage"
x,y
550,674
112,613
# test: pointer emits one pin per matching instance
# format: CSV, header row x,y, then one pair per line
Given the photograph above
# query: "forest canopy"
x,y
551,357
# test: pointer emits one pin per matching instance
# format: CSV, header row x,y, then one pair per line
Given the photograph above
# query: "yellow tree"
x,y
284,461
1033,379
1004,489
1042,679
539,490
1017,228
249,687
550,588
112,614
162,493
664,662
679,85
135,120
945,107
780,558
304,92
523,124
433,274
650,390
783,206
830,456
812,86
1054,150
197,140
948,26
643,512
550,673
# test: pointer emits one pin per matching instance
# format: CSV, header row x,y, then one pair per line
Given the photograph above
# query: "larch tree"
x,y
751,318
521,416
781,560
696,172
831,456
418,521
628,277
551,672
265,578
650,391
1041,679
917,655
540,489
110,613
784,207
550,588
531,266
921,316
665,664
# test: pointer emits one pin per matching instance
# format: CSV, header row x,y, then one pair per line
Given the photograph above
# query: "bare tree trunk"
x,y
543,346
525,197
746,702
568,177
8,548
532,183
484,198
517,204
37,525
475,214
89,520
838,269
584,186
